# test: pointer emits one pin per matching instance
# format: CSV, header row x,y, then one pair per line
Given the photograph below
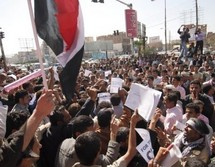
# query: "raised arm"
x,y
125,159
44,107
88,106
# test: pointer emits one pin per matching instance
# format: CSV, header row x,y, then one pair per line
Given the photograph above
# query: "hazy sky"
x,y
103,19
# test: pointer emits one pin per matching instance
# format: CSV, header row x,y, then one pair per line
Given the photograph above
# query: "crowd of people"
x,y
41,128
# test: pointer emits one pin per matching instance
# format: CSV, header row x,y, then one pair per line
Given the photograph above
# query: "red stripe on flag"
x,y
67,15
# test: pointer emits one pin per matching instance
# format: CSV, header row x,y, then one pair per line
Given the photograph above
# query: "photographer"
x,y
199,40
184,35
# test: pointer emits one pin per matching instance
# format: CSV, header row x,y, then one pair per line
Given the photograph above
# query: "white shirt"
x,y
181,90
172,115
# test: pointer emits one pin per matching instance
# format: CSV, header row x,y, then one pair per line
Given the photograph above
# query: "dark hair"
x,y
178,78
103,104
156,71
122,134
195,82
115,99
199,102
87,146
177,93
172,97
37,88
150,77
80,124
14,121
26,85
81,102
206,88
104,117
56,117
20,94
73,109
193,106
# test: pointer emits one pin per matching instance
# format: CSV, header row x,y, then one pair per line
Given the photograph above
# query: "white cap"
x,y
170,87
13,76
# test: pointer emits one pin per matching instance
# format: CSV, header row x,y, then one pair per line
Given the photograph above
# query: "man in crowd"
x,y
184,35
199,40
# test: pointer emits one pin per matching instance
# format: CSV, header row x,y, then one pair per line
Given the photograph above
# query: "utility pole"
x,y
165,27
2,51
197,15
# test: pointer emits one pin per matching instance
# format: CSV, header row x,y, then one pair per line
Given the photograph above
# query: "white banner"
x,y
145,147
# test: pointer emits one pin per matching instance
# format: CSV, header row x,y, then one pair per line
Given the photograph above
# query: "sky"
x,y
104,18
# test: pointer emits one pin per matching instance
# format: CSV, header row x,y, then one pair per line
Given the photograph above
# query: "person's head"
x,y
155,73
122,139
195,87
187,29
199,30
192,110
168,89
81,124
150,80
38,88
11,78
104,117
14,121
85,82
208,89
176,80
66,116
103,86
22,97
170,100
3,77
195,129
60,116
103,104
73,109
87,148
28,87
115,99
200,104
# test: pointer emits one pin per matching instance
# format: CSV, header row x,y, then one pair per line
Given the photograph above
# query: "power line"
x,y
163,22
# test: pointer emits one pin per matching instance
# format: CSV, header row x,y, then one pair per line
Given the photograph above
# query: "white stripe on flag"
x,y
78,42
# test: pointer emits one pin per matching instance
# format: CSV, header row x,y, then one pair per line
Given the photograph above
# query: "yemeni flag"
x,y
60,24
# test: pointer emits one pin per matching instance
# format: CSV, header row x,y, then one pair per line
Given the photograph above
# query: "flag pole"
x,y
38,50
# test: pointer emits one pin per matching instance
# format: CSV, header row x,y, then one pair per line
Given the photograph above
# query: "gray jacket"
x,y
66,156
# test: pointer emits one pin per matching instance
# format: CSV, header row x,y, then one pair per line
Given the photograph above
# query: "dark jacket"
x,y
11,149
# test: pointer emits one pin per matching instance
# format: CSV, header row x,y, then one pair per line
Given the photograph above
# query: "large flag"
x,y
60,24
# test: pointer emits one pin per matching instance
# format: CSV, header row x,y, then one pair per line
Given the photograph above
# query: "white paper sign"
x,y
144,99
172,157
145,147
87,73
56,76
103,97
116,84
107,73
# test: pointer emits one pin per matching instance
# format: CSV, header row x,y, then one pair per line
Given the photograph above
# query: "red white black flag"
x,y
60,24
